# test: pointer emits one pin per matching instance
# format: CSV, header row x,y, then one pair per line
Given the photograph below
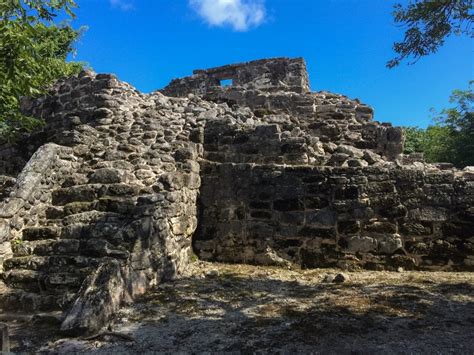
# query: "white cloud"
x,y
239,14
122,5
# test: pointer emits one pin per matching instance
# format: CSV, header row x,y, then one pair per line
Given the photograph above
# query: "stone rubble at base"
x,y
110,197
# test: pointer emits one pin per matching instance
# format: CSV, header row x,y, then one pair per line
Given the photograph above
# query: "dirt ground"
x,y
241,308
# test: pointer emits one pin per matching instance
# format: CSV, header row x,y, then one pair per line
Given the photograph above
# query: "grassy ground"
x,y
235,308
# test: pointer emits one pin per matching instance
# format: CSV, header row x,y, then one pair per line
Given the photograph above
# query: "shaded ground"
x,y
235,308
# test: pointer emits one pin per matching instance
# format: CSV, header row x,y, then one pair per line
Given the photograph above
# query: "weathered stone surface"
x,y
106,176
358,244
102,203
99,298
388,244
269,75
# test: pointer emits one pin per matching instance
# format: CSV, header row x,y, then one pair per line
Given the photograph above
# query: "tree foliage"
x,y
33,52
451,137
429,23
414,140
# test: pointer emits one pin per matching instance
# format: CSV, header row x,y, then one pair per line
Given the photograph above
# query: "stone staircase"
x,y
108,209
81,230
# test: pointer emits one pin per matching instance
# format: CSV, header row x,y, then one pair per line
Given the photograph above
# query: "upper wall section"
x,y
267,74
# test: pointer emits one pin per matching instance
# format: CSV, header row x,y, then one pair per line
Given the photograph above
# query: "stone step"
x,y
52,263
46,247
73,208
93,217
40,233
22,301
91,192
27,280
81,193
122,205
86,218
29,262
51,282
124,190
110,231
25,253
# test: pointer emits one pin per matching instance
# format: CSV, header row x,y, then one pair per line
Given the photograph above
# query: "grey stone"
x,y
388,244
99,298
328,278
106,176
357,244
350,151
272,173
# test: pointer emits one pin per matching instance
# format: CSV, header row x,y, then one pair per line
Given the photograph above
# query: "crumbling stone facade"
x,y
105,208
268,75
109,198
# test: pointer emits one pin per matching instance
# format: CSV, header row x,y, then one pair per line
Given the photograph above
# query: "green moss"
x,y
193,257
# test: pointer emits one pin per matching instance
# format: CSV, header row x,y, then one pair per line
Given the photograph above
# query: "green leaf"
x,y
33,52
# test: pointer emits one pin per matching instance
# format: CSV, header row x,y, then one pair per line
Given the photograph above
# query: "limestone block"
x,y
361,244
432,214
11,207
382,227
81,193
321,217
350,151
388,244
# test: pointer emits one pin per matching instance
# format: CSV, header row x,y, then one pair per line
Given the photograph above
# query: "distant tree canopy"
x,y
33,52
451,137
428,24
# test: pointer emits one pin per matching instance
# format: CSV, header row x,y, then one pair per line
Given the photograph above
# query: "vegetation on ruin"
x,y
33,52
428,23
451,137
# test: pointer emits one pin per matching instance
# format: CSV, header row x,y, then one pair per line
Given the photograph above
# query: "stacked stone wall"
x,y
104,213
107,208
370,217
101,203
268,74
330,118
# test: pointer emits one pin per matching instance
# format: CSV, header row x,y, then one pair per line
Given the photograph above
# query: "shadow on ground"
x,y
249,309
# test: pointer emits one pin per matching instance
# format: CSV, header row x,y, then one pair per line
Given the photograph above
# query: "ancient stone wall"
x,y
107,213
328,118
107,207
269,75
101,203
375,217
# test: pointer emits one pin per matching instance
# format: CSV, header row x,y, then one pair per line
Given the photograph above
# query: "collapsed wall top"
x,y
288,74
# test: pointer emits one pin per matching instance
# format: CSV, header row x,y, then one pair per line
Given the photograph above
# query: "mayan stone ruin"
x,y
118,189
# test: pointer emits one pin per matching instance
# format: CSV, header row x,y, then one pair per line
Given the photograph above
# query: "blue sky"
x,y
346,44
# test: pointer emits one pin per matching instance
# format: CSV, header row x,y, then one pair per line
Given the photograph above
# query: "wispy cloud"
x,y
241,15
122,5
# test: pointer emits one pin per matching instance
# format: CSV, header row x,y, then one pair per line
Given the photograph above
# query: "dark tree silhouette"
x,y
429,23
